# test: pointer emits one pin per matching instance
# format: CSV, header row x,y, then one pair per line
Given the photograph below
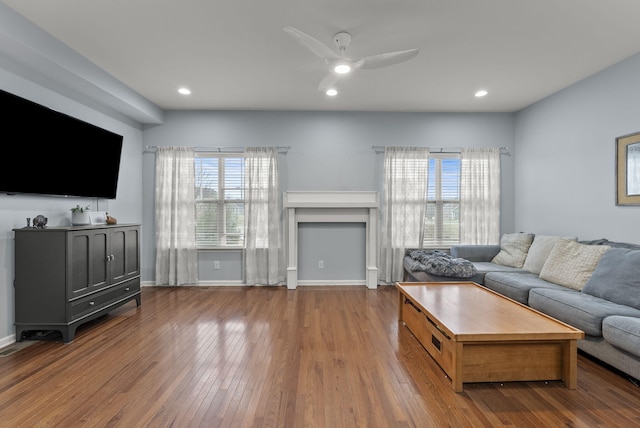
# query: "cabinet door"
x,y
88,261
125,259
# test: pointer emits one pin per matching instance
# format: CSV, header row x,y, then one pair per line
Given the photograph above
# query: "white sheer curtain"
x,y
403,206
264,261
480,196
176,253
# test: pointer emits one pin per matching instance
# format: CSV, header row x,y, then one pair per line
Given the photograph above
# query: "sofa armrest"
x,y
475,253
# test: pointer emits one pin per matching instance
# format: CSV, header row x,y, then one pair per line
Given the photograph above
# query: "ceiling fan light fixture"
x,y
331,92
342,68
339,63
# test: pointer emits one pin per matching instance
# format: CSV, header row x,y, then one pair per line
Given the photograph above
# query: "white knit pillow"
x,y
571,264
513,249
539,252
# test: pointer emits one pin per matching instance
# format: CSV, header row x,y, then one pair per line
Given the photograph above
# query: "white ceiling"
x,y
235,54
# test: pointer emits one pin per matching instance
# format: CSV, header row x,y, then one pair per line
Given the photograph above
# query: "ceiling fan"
x,y
339,64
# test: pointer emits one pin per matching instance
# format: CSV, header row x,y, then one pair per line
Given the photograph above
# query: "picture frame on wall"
x,y
628,169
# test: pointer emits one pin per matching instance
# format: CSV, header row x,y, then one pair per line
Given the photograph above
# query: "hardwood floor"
x,y
271,357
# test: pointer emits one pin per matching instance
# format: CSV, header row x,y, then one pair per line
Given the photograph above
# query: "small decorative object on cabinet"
x,y
98,217
82,273
80,216
40,222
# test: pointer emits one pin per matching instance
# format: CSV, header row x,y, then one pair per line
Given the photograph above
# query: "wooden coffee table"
x,y
477,335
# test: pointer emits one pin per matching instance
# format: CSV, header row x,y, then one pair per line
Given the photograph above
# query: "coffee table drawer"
x,y
430,336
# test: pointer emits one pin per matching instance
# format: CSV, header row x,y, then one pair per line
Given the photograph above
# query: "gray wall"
x,y
565,158
329,151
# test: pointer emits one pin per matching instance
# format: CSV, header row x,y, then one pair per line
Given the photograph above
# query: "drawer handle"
x,y
437,327
92,303
127,289
435,342
410,303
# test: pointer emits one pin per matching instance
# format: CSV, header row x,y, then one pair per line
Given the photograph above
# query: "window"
x,y
442,217
219,200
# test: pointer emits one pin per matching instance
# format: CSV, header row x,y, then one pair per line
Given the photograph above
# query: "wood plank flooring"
x,y
272,357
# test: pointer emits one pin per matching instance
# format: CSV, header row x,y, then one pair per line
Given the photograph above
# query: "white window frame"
x,y
222,201
437,239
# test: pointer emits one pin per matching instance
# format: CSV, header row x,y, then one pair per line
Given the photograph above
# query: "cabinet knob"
x,y
92,303
127,289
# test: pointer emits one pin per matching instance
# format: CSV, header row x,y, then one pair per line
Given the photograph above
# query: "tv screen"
x,y
50,153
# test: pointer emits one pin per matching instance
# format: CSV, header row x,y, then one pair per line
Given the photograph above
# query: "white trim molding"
x,y
336,207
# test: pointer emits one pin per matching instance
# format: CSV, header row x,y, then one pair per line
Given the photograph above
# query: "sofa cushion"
x,y
617,277
615,244
516,286
539,252
475,253
580,310
513,249
483,268
622,332
571,263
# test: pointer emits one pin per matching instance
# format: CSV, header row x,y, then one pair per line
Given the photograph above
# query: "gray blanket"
x,y
439,263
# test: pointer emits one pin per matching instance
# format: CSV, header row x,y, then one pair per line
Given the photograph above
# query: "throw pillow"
x,y
539,252
617,277
513,249
571,264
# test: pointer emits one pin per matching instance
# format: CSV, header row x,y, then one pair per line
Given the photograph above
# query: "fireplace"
x,y
336,207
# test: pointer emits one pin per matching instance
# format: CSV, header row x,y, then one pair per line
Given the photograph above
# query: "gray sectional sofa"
x,y
593,286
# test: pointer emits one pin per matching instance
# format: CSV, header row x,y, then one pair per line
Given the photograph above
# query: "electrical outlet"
x,y
216,264
320,264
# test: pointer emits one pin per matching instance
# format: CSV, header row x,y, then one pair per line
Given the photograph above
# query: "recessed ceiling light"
x,y
184,91
481,93
342,69
332,92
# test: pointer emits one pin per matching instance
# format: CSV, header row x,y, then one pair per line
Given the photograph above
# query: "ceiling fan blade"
x,y
385,59
329,82
317,47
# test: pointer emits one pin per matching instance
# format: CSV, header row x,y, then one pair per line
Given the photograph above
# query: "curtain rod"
x,y
380,149
221,149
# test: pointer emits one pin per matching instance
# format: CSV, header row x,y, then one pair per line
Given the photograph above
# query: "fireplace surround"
x,y
332,207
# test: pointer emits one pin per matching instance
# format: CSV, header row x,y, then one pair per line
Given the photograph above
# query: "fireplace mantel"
x,y
337,207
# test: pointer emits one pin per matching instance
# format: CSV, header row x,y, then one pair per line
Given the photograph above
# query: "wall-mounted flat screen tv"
x,y
46,152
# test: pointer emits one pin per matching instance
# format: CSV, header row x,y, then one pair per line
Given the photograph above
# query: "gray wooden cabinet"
x,y
66,276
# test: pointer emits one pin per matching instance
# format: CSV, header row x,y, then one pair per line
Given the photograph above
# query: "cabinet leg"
x,y
68,334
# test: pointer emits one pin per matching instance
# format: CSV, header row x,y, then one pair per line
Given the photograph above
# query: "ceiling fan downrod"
x,y
342,41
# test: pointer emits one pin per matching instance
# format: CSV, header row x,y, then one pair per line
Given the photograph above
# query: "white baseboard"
x,y
6,341
310,282
234,283
237,283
